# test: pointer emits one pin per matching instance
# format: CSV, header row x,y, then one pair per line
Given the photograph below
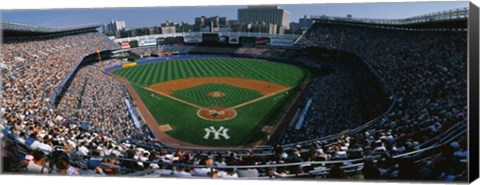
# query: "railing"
x,y
320,168
455,129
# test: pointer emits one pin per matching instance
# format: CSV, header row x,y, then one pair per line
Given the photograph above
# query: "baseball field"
x,y
215,102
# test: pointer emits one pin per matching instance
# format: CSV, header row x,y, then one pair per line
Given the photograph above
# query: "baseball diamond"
x,y
198,95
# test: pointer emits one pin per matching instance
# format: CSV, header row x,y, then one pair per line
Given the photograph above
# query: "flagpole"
x,y
98,54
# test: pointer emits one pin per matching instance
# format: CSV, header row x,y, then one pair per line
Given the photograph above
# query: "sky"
x,y
152,16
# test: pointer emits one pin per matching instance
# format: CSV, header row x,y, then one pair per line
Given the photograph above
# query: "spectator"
x,y
337,173
93,169
111,162
38,164
370,170
182,172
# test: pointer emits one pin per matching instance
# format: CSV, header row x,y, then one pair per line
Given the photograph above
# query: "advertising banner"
x,y
281,42
247,41
133,44
174,41
223,39
131,64
262,41
148,42
192,38
210,38
161,41
233,40
178,40
125,45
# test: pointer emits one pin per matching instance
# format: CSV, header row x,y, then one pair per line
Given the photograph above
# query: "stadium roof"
x,y
442,16
17,30
8,26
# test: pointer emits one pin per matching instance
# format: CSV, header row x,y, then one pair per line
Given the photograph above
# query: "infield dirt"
x,y
265,88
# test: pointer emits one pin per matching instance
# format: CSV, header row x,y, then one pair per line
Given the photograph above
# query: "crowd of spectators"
x,y
175,48
425,69
148,51
35,69
279,53
341,100
97,99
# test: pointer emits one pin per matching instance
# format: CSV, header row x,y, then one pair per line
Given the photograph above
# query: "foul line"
x,y
176,99
199,107
168,96
258,99
155,96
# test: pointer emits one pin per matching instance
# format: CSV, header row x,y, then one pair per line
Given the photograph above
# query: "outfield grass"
x,y
233,95
148,74
245,128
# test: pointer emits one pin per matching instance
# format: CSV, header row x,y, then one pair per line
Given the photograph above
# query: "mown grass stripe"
x,y
229,67
151,73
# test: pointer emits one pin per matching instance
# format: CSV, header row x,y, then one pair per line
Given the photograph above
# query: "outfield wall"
x,y
163,59
196,56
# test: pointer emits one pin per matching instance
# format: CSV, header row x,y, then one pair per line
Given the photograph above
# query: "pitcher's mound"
x,y
216,113
216,94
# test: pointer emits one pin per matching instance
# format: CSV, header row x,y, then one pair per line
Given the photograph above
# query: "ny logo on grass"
x,y
216,133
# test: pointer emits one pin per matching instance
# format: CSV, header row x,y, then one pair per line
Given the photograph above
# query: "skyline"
x,y
154,16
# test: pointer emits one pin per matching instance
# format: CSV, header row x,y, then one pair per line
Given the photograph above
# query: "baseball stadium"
x,y
348,98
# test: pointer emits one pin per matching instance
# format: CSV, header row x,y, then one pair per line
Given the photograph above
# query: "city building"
x,y
183,27
241,27
210,24
305,22
301,26
267,14
219,22
232,22
200,22
264,28
168,27
294,26
113,27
